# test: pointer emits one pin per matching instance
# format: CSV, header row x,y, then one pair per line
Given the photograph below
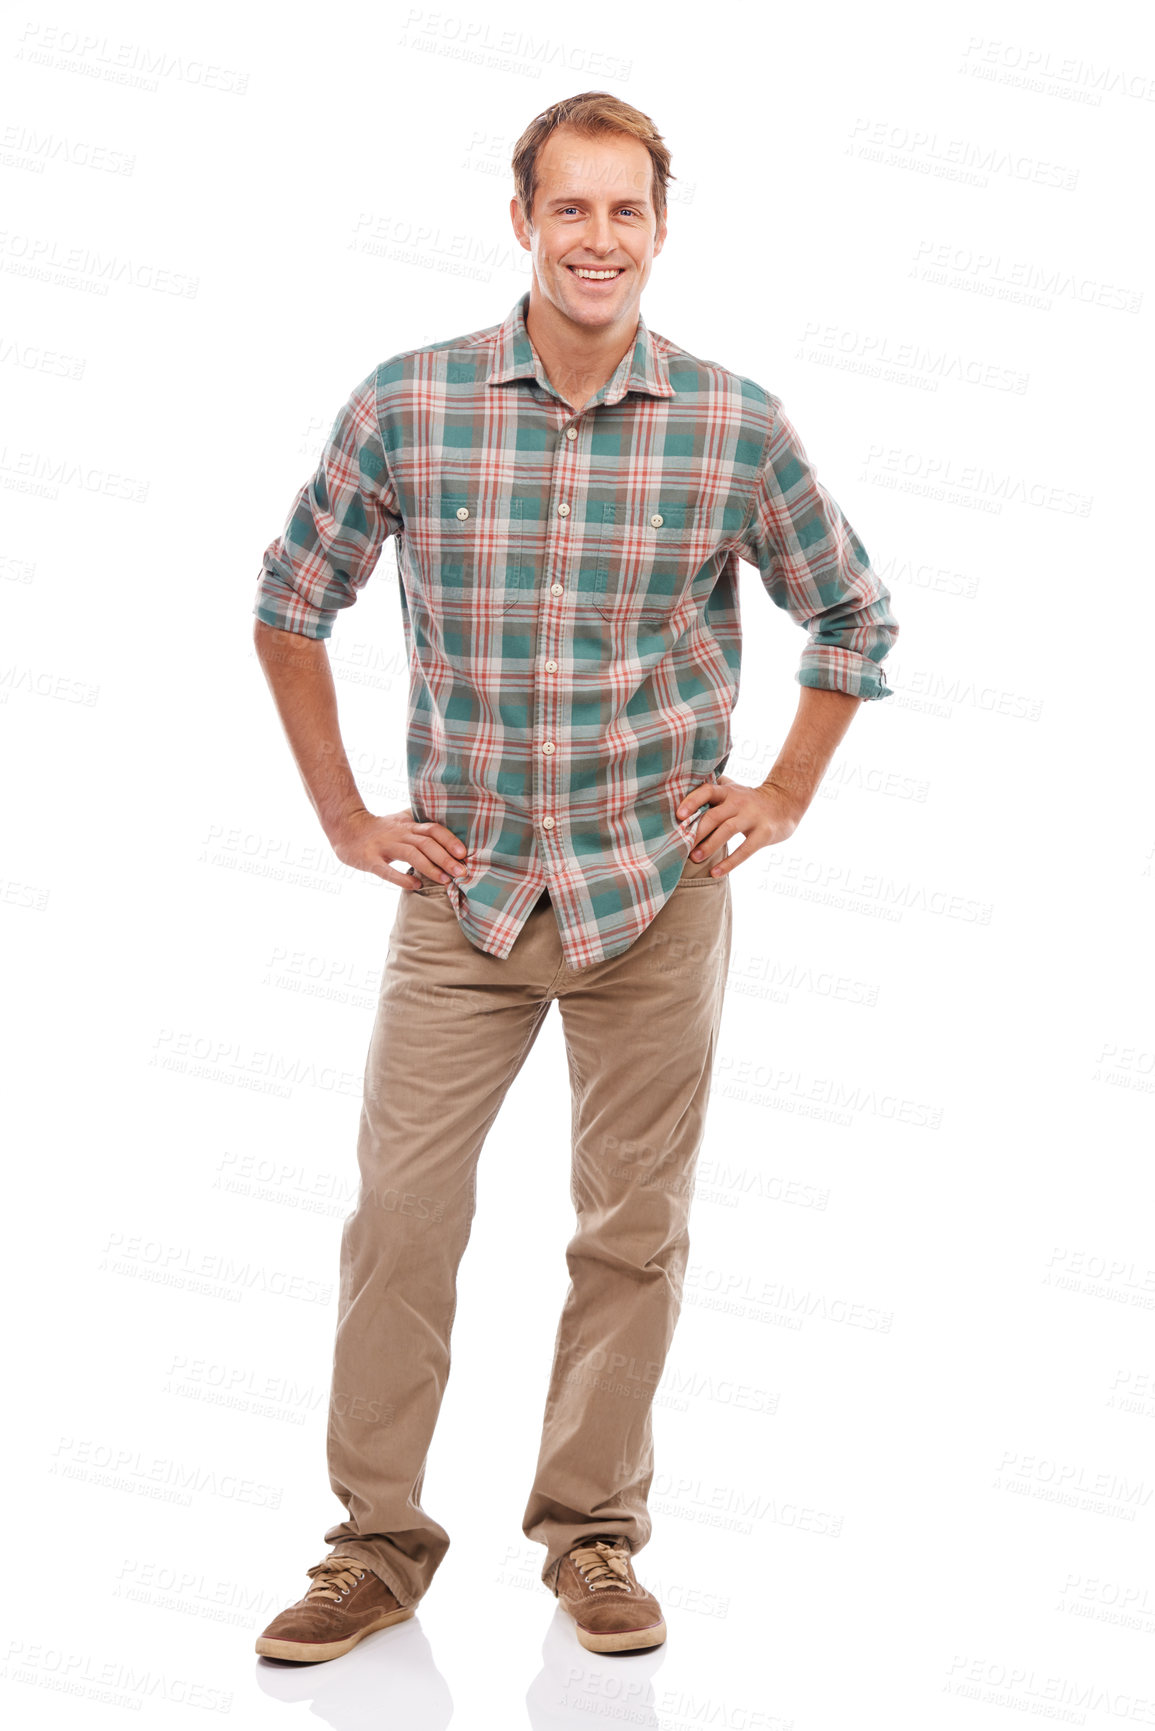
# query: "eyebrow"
x,y
576,198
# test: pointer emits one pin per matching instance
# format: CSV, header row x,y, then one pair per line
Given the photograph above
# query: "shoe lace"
x,y
333,1578
602,1564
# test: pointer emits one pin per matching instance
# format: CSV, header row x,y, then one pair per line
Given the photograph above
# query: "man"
x,y
571,494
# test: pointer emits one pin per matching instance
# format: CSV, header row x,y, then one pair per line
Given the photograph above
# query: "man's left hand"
x,y
763,815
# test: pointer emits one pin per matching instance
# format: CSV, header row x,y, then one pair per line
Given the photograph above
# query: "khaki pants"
x,y
453,1028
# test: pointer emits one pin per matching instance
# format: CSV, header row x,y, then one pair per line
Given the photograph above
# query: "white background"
x,y
905,1465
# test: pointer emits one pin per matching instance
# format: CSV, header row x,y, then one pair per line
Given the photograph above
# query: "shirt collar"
x,y
640,369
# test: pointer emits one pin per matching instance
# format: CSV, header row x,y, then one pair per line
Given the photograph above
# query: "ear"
x,y
520,227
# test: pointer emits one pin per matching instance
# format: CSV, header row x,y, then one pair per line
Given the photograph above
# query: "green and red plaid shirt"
x,y
569,600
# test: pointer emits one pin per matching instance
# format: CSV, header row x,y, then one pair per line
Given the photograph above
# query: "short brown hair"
x,y
594,112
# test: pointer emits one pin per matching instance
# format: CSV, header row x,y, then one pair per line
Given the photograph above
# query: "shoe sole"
x,y
621,1640
315,1652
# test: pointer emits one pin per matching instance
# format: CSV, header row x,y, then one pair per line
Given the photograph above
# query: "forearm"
x,y
820,722
301,681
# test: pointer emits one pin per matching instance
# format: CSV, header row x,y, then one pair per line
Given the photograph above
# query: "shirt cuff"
x,y
285,610
829,669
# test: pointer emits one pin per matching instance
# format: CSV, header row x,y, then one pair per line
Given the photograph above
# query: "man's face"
x,y
593,208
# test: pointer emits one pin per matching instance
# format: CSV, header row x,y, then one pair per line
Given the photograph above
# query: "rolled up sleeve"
x,y
814,567
334,532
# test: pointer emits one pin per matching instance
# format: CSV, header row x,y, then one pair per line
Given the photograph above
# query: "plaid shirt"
x,y
569,598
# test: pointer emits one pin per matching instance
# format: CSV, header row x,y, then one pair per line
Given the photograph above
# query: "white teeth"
x,y
595,275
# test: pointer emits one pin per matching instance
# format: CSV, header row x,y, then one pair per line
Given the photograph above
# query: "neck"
x,y
578,360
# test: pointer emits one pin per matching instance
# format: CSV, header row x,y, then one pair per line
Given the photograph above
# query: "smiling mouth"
x,y
592,273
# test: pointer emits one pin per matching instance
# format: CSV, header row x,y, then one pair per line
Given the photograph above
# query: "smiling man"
x,y
571,495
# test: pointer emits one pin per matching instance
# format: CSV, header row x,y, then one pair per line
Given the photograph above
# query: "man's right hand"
x,y
297,669
369,843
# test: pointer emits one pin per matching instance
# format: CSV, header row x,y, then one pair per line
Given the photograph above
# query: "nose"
x,y
598,235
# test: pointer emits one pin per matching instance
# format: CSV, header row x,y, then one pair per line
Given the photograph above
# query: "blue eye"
x,y
567,208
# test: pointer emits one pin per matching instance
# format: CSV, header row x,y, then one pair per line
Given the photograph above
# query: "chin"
x,y
575,301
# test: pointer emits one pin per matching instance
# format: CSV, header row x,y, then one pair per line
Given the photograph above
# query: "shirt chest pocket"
x,y
648,554
470,548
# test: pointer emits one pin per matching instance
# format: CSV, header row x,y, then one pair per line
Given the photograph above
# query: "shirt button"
x,y
462,514
571,432
547,823
556,589
551,666
549,747
656,521
563,510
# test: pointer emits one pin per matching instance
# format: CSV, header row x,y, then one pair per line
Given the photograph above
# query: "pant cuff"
x,y
382,1570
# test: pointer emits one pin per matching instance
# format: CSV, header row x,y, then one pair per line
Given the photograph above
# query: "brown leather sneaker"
x,y
596,1584
345,1603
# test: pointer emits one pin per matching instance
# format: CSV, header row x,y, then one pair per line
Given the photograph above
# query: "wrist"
x,y
337,825
789,796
